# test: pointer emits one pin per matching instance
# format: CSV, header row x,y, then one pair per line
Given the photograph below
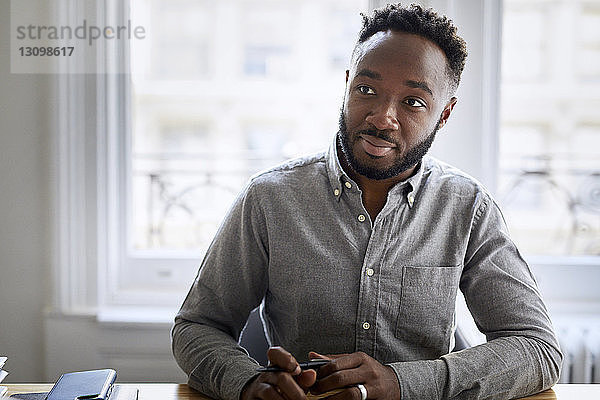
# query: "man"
x,y
356,254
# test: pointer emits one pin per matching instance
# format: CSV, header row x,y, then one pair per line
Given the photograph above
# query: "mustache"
x,y
378,134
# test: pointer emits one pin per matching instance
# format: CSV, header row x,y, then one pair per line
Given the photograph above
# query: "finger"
x,y
279,357
285,384
346,361
326,395
267,391
306,379
338,380
314,354
351,392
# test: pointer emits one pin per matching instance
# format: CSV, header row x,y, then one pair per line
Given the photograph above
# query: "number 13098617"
x,y
46,51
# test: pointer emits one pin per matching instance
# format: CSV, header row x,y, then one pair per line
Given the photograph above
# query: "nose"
x,y
384,117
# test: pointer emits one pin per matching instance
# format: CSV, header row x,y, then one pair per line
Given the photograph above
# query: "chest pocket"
x,y
426,312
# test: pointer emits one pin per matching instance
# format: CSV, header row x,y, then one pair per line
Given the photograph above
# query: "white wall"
x,y
24,213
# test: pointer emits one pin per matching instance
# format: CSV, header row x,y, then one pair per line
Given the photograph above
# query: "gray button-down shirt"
x,y
299,243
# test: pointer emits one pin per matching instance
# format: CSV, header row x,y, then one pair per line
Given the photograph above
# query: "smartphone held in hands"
x,y
312,364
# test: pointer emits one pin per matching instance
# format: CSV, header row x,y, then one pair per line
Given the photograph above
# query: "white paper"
x,y
3,375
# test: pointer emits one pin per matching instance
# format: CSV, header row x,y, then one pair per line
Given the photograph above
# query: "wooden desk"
x,y
171,391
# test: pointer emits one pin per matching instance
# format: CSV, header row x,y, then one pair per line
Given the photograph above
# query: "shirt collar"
x,y
338,178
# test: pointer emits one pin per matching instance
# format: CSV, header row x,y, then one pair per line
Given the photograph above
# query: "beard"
x,y
400,164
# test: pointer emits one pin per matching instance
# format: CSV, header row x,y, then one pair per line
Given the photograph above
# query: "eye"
x,y
416,103
366,90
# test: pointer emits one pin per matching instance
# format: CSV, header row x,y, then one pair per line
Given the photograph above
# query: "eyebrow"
x,y
419,85
369,74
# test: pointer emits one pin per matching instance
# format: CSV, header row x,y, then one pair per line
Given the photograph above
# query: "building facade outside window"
x,y
549,152
220,92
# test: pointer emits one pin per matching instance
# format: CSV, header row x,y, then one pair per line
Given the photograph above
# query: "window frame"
x,y
91,171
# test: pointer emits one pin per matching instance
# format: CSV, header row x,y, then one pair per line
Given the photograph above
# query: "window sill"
x,y
136,316
132,317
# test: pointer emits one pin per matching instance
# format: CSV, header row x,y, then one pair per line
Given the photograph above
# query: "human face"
x,y
395,101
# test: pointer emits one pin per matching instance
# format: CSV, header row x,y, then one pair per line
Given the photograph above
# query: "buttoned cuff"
x,y
423,380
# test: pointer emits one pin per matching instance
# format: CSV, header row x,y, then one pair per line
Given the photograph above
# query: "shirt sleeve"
x,y
521,356
230,284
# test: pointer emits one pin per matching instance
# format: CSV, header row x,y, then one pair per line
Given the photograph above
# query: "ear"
x,y
447,110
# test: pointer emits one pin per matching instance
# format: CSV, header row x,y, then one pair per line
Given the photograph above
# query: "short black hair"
x,y
423,22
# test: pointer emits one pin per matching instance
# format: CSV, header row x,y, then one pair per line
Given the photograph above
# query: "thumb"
x,y
307,378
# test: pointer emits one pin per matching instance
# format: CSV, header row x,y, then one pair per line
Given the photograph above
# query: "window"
x,y
549,152
218,92
167,147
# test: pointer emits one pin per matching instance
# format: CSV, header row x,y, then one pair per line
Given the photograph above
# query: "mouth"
x,y
375,146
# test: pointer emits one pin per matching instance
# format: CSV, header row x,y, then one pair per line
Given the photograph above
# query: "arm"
x,y
231,282
521,356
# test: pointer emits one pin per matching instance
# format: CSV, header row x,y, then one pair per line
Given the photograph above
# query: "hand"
x,y
345,371
290,385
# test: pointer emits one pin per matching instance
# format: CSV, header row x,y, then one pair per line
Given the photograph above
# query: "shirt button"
x,y
366,325
370,271
336,192
361,218
348,185
411,199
